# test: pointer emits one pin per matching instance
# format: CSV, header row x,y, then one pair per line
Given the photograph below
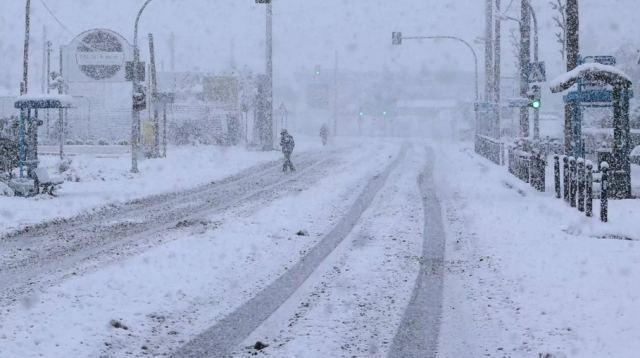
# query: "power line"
x,y
55,17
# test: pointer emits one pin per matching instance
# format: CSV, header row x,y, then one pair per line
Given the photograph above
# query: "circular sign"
x,y
100,54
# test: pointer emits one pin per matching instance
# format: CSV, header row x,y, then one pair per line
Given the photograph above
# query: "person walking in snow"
x,y
324,134
287,144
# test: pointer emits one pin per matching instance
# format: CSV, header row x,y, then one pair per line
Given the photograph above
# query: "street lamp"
x,y
397,39
135,110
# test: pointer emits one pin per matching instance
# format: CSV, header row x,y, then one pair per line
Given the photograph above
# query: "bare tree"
x,y
561,23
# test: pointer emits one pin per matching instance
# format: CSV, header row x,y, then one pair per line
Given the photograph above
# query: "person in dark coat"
x,y
287,144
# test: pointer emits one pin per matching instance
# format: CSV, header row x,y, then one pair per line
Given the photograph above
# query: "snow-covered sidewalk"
x,y
527,275
97,180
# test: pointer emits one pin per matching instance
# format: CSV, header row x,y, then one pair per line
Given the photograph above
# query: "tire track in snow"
x,y
68,247
418,333
221,339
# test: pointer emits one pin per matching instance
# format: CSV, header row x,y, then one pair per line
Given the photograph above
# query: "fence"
x,y
528,167
489,148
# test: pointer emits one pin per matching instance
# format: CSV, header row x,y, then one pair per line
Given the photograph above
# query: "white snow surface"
x,y
102,178
171,293
528,275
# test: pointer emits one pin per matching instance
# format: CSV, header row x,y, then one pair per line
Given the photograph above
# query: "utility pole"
x,y
496,70
44,60
48,84
61,111
25,63
573,52
488,51
154,99
525,59
268,145
335,96
172,47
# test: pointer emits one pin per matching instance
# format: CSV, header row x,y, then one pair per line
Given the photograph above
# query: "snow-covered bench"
x,y
45,183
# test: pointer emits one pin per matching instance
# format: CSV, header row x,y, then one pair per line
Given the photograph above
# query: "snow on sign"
x,y
537,72
96,55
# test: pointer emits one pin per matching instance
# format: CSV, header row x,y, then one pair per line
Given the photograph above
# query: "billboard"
x,y
98,55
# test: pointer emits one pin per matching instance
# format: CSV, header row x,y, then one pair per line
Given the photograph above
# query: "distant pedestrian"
x,y
324,134
287,144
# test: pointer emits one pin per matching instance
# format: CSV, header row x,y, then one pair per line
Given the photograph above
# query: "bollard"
x,y
604,195
556,175
565,174
589,189
572,182
581,183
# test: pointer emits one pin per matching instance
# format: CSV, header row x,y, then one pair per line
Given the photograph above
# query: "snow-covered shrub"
x,y
5,190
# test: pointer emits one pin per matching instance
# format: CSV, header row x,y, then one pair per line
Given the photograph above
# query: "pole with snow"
x,y
573,51
488,52
25,62
496,69
525,58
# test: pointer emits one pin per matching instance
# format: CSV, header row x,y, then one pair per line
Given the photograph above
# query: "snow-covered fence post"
x,y
581,184
589,189
566,178
556,175
604,194
573,184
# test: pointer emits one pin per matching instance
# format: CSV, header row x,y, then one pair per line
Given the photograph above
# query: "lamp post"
x,y
135,111
398,38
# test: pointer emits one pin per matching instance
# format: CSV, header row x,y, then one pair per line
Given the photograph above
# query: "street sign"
x,y
97,55
537,72
396,38
603,60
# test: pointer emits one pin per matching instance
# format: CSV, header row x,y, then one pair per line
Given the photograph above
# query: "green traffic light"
x,y
361,114
384,113
536,104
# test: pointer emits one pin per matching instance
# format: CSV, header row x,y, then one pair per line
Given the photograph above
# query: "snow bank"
x,y
528,275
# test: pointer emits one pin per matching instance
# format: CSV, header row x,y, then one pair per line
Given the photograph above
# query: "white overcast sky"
x,y
307,32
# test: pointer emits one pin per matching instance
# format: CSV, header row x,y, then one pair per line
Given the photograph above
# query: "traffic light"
x,y
140,98
317,70
384,113
534,97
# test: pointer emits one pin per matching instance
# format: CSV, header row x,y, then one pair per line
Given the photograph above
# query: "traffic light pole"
x,y
135,112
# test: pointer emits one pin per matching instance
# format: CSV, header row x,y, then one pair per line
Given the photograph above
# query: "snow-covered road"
x,y
155,276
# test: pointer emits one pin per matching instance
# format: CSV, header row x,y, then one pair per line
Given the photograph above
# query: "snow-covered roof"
x,y
44,101
589,71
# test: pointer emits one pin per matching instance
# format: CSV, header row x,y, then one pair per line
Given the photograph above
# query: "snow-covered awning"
x,y
36,101
590,72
